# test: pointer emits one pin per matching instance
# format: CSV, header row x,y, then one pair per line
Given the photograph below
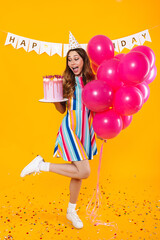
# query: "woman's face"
x,y
75,63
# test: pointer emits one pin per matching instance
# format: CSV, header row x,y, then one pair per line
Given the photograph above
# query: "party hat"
x,y
73,42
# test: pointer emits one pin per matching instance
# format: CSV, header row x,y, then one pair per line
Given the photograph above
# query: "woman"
x,y
76,138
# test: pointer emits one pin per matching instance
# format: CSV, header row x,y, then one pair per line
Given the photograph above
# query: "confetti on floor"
x,y
29,210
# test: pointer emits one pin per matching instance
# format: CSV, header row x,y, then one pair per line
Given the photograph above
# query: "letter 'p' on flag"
x,y
34,45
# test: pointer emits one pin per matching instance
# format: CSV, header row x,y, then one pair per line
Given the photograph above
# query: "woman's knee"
x,y
83,168
86,173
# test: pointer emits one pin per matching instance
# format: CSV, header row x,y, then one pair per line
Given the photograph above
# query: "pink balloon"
x,y
128,100
100,48
148,52
144,88
119,56
134,68
97,96
152,75
126,121
94,67
108,71
107,124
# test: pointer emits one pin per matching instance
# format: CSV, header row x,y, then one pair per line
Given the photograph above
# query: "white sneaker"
x,y
32,167
72,216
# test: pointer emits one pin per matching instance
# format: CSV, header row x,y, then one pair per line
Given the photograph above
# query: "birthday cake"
x,y
53,87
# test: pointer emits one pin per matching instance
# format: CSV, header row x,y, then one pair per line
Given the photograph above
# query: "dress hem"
x,y
57,156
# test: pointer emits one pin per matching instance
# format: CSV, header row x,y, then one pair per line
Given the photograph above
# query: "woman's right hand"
x,y
61,107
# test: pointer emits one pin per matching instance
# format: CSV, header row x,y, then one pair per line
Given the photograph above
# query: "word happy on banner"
x,y
53,48
34,45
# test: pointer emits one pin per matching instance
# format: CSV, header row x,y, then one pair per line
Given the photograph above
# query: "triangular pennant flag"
x,y
65,49
45,47
115,44
11,39
56,48
23,43
144,36
34,45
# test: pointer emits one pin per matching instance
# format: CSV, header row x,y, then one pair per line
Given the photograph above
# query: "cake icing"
x,y
53,87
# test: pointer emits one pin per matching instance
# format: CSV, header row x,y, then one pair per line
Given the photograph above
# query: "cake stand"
x,y
54,100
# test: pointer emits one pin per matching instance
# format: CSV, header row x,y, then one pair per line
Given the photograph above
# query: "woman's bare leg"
x,y
75,185
78,170
65,169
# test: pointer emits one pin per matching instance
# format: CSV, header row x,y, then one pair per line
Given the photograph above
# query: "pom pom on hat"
x,y
73,42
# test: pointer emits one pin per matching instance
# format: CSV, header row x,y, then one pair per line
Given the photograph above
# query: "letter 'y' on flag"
x,y
144,36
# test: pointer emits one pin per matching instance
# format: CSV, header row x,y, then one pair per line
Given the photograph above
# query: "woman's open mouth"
x,y
75,69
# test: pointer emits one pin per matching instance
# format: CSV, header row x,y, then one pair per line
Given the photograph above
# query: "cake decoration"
x,y
53,87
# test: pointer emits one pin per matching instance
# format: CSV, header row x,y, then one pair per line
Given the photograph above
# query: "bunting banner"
x,y
56,48
34,45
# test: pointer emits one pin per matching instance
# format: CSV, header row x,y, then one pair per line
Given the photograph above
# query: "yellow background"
x,y
130,173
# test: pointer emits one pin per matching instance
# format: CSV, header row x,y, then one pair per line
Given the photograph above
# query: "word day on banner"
x,y
135,39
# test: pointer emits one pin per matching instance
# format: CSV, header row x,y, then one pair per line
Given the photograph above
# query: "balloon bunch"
x,y
121,87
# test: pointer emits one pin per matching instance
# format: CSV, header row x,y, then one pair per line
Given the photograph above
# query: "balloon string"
x,y
93,213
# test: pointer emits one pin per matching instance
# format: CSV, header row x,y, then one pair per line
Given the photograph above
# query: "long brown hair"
x,y
69,77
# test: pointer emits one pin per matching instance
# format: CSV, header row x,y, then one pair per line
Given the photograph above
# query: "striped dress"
x,y
76,138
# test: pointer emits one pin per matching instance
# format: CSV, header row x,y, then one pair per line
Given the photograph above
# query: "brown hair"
x,y
69,77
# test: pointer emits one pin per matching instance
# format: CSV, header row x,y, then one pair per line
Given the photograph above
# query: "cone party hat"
x,y
73,42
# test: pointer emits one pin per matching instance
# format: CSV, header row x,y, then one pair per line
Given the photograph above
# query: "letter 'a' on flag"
x,y
23,43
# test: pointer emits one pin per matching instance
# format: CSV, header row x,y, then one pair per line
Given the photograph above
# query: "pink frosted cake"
x,y
53,87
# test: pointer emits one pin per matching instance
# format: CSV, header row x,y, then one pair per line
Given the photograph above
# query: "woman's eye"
x,y
76,59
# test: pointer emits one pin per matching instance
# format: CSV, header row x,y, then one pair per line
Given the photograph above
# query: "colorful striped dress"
x,y
76,138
